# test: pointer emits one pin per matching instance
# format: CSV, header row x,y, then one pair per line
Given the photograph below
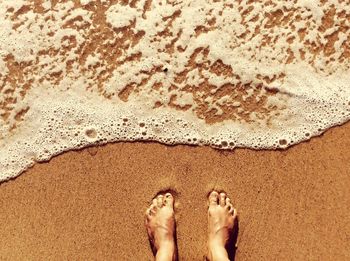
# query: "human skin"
x,y
160,224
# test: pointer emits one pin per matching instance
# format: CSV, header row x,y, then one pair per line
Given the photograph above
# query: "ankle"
x,y
166,251
217,250
167,243
215,241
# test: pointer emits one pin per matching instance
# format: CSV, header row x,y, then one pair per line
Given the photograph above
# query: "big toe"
x,y
168,200
160,201
213,198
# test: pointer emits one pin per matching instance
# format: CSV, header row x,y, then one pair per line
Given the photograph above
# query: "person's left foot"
x,y
160,224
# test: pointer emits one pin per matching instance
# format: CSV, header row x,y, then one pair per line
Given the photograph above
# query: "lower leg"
x,y
166,252
217,253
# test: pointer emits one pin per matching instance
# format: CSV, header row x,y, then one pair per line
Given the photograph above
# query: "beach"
x,y
89,204
243,76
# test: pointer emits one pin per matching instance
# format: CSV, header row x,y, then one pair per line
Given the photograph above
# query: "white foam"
x,y
191,72
121,15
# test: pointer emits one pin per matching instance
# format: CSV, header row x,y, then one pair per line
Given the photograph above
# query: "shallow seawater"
x,y
226,74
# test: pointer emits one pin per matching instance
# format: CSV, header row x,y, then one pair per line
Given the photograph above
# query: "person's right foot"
x,y
221,220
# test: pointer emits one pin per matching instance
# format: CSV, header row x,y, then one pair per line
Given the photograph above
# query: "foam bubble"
x,y
91,133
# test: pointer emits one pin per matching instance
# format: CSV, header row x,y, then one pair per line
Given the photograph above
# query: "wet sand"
x,y
89,204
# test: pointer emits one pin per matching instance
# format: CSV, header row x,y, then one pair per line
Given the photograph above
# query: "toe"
x,y
153,209
228,206
213,198
222,199
148,214
154,202
160,200
233,212
168,199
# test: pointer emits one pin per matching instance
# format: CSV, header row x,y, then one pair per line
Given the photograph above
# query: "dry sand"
x,y
89,204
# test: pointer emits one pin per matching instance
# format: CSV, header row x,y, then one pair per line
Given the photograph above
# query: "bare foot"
x,y
221,220
160,224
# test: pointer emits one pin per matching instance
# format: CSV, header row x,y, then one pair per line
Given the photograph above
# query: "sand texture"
x,y
89,204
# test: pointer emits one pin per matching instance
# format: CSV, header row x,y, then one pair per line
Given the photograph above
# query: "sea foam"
x,y
256,74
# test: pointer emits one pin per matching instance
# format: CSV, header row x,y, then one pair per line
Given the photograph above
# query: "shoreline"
x,y
90,203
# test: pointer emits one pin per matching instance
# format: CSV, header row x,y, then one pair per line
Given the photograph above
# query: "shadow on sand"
x,y
231,245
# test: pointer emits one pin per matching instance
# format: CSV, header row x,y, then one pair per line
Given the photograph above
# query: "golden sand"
x,y
89,204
